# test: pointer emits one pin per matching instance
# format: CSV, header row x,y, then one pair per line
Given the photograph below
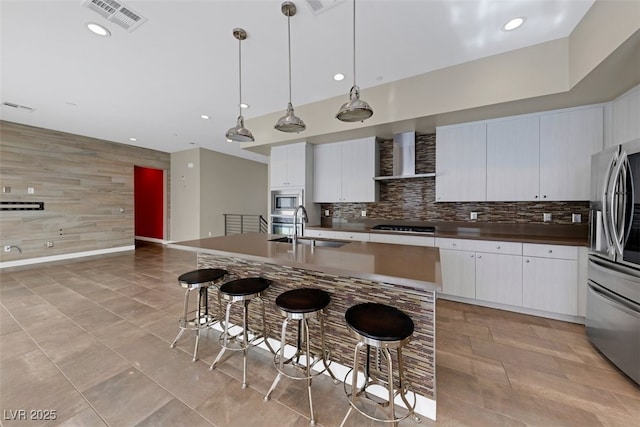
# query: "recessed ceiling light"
x,y
243,105
133,139
204,116
514,23
98,29
338,77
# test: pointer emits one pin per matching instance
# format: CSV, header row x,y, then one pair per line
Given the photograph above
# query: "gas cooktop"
x,y
404,228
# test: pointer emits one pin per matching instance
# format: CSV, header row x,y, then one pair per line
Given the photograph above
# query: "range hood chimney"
x,y
404,154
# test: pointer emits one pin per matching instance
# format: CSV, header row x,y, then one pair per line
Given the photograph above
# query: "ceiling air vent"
x,y
116,12
319,6
18,107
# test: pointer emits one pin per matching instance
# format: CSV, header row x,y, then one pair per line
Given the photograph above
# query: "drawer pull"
x,y
498,247
527,261
453,244
550,251
479,256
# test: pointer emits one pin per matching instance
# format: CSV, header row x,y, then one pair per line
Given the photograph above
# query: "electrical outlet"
x,y
7,248
326,212
49,244
546,217
576,218
31,190
210,234
363,213
474,215
6,189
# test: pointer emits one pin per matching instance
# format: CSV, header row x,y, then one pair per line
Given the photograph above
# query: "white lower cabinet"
x,y
532,276
458,273
499,278
550,278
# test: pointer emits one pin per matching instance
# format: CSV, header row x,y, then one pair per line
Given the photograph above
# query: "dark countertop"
x,y
416,267
554,234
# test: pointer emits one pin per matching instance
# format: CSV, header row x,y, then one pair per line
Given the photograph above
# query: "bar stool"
x,y
301,305
198,280
242,290
382,327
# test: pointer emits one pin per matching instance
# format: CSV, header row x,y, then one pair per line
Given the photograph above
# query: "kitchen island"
x,y
406,277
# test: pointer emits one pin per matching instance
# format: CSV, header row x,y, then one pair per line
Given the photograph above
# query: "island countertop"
x,y
416,267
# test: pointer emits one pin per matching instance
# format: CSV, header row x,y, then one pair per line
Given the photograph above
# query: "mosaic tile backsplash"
x,y
413,199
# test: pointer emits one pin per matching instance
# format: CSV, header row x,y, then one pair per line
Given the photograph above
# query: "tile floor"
x,y
89,339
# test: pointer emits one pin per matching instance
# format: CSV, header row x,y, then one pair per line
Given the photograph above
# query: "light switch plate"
x,y
576,218
474,215
30,190
363,213
6,189
546,217
326,212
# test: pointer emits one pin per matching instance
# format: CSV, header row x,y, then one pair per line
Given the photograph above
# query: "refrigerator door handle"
x,y
617,190
627,306
606,217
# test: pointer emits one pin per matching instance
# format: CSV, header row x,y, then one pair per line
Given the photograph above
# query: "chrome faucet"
x,y
305,218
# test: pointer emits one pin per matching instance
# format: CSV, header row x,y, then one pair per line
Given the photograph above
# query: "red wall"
x,y
148,188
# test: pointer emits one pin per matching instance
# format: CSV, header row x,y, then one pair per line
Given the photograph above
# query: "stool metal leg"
x,y
183,320
392,407
281,362
225,332
245,341
198,320
305,326
354,381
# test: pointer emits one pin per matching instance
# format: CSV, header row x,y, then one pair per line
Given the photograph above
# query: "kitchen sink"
x,y
312,242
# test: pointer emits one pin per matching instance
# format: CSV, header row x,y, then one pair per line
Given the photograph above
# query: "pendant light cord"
x,y
240,76
289,38
354,43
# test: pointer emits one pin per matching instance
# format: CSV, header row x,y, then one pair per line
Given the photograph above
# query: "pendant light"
x,y
289,122
355,110
239,133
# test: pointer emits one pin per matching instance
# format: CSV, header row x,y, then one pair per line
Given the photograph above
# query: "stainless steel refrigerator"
x,y
613,293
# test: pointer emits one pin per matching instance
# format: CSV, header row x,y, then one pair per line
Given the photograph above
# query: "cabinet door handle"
x,y
527,261
535,197
479,256
544,197
471,255
550,251
453,244
498,247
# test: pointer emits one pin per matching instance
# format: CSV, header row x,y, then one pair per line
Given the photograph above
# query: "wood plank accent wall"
x,y
83,183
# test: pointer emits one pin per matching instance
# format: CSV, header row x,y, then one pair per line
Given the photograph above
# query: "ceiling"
x,y
155,82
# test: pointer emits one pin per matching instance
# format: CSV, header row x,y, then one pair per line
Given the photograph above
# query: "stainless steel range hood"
x,y
404,157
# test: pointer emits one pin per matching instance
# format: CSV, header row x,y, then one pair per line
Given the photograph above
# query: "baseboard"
x,y
153,240
62,257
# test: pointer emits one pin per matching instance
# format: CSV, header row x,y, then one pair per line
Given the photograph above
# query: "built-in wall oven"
x,y
284,225
613,294
283,207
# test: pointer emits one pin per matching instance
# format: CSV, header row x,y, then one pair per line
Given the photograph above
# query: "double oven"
x,y
613,292
283,207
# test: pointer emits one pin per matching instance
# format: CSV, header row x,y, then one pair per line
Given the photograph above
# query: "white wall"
x,y
185,195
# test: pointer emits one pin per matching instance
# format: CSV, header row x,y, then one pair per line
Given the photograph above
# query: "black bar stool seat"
x,y
301,305
200,318
382,327
242,290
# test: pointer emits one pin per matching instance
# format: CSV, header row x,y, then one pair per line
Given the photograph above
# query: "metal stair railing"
x,y
242,223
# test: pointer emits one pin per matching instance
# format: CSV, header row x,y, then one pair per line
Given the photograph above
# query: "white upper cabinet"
x,y
513,166
289,165
461,163
625,113
567,141
344,171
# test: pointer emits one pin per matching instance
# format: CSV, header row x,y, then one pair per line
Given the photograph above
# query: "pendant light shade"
x,y
289,122
239,133
355,110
